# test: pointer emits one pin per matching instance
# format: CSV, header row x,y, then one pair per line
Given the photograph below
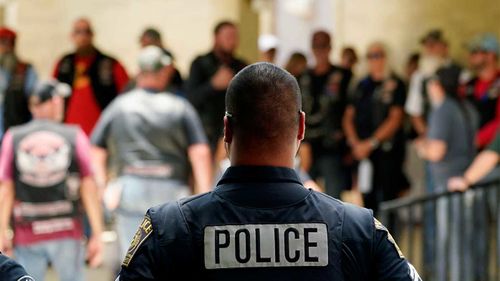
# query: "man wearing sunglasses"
x,y
96,78
260,223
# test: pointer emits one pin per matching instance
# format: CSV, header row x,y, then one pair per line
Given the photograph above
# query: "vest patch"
x,y
266,245
43,159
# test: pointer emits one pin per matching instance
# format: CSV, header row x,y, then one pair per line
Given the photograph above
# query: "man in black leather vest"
x,y
19,79
260,223
96,78
47,181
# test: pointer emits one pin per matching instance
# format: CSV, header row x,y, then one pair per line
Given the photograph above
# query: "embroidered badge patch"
x,y
145,229
380,226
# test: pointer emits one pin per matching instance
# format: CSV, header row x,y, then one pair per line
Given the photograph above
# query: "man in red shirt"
x,y
96,78
483,90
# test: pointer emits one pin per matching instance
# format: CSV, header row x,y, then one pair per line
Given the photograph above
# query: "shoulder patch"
x,y
145,229
380,226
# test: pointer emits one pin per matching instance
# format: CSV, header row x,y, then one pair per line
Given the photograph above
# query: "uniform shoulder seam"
x,y
184,218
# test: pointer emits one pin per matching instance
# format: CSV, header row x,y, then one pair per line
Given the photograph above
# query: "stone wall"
x,y
44,27
401,23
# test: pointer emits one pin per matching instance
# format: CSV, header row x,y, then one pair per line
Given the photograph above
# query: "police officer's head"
x,y
264,124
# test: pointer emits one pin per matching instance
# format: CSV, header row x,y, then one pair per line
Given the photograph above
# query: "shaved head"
x,y
263,103
82,33
81,24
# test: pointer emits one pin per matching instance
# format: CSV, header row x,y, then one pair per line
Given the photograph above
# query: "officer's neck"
x,y
260,157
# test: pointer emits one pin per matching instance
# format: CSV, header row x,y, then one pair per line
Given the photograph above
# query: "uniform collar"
x,y
261,187
268,174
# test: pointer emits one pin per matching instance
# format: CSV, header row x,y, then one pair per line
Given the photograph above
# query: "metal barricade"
x,y
450,235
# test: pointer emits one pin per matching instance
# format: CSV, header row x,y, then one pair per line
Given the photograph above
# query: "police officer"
x,y
12,271
260,223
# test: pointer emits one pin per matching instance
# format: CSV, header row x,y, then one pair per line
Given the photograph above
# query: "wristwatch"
x,y
374,143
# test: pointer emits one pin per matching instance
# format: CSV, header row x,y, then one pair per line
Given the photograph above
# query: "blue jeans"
x,y
429,226
138,195
67,257
448,255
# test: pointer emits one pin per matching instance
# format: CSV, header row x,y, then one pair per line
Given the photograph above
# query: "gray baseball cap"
x,y
484,42
153,58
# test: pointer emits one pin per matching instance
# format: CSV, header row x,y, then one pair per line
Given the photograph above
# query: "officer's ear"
x,y
228,130
302,126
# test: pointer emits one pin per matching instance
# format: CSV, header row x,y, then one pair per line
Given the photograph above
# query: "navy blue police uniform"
x,y
260,223
12,271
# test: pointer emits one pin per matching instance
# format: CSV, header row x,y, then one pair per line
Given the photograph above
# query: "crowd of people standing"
x,y
132,143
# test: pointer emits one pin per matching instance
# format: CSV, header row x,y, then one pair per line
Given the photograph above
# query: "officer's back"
x,y
12,271
260,223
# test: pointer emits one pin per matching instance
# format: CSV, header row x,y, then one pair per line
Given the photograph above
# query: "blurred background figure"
x,y
434,57
484,163
348,58
155,140
17,81
296,64
209,77
268,47
46,176
449,149
95,77
152,37
411,65
483,90
373,123
324,94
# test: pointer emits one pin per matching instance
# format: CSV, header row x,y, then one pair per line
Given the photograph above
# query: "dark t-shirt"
x,y
324,101
209,103
495,144
149,133
453,124
373,101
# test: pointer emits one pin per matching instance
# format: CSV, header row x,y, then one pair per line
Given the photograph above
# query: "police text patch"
x,y
266,245
145,229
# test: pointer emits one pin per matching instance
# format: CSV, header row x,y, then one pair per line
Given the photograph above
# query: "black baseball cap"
x,y
46,90
434,35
